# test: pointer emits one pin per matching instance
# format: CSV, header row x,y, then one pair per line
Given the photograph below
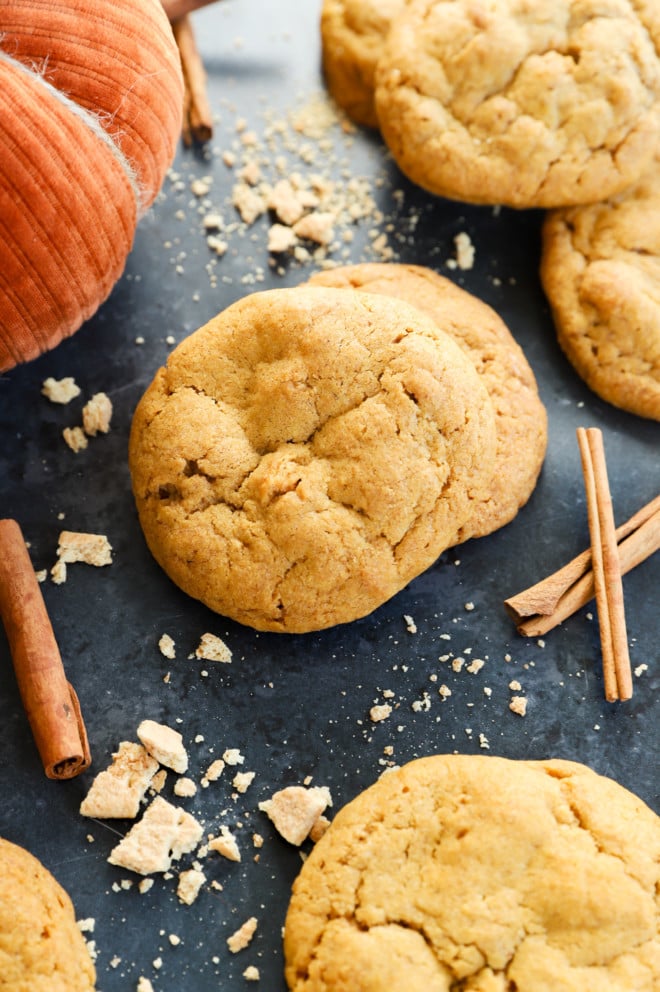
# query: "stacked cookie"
x,y
309,451
530,104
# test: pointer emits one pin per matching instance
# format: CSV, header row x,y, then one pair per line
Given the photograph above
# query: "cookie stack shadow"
x,y
531,105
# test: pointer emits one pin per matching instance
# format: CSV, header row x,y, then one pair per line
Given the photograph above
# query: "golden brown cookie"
x,y
41,946
481,874
600,269
529,103
307,453
520,417
352,37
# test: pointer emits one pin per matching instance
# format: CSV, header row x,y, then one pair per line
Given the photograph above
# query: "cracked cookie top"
x,y
482,874
520,417
527,103
352,34
600,270
41,946
307,453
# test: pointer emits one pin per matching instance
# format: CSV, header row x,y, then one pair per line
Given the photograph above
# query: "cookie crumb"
x,y
518,705
251,974
60,390
90,549
411,626
380,712
242,937
167,647
212,648
232,756
185,787
189,885
163,835
116,792
97,414
164,744
75,438
226,845
294,810
242,781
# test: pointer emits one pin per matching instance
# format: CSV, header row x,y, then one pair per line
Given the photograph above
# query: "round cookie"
x,y
600,269
307,453
520,417
527,103
482,874
41,946
352,37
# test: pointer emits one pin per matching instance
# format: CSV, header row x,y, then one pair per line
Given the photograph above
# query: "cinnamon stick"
x,y
50,702
176,9
549,602
605,563
197,114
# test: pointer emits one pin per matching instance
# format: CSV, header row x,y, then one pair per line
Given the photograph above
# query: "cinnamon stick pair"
x,y
597,571
50,702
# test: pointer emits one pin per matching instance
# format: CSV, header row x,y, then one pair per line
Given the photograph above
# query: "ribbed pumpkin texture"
x,y
91,98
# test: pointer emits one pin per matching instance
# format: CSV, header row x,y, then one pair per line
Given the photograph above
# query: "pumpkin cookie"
x,y
600,269
520,417
529,103
352,37
307,453
41,946
484,874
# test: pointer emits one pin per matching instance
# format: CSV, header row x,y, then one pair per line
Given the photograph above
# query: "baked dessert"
x,y
528,103
352,37
600,269
520,416
41,946
307,453
484,874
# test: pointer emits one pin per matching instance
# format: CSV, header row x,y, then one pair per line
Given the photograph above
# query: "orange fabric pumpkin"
x,y
91,96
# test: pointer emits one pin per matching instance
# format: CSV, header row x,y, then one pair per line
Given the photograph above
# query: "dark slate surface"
x,y
295,706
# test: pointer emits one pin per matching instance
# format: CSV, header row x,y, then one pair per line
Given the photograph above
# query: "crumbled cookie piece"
x,y
166,646
165,744
90,549
294,810
144,985
117,791
60,390
232,756
213,648
251,973
285,201
248,202
242,781
190,883
215,770
464,251
185,787
163,835
97,414
226,845
281,239
242,937
75,438
317,226
380,712
518,705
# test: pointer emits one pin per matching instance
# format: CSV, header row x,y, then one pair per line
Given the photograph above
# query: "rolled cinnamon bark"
x,y
50,702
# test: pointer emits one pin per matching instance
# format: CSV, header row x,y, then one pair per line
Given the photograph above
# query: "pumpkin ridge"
x,y
90,120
